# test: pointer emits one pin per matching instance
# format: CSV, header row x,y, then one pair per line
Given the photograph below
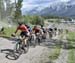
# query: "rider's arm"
x,y
41,31
17,30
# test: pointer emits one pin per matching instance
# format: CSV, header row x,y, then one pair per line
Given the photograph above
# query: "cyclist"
x,y
24,32
38,33
36,30
29,28
55,31
50,31
43,29
44,32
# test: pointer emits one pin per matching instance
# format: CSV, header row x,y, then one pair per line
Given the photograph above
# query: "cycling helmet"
x,y
20,23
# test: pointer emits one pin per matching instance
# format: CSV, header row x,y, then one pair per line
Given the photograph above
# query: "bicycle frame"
x,y
20,45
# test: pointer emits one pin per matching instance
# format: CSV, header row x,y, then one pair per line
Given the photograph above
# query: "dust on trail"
x,y
39,54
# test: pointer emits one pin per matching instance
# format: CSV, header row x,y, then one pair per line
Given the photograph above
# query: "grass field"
x,y
71,57
71,40
7,32
55,53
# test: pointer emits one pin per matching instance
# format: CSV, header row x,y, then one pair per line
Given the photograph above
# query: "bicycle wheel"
x,y
33,43
30,40
50,35
18,47
37,41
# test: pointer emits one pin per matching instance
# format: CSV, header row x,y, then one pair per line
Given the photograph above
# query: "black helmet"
x,y
41,25
27,26
55,28
20,23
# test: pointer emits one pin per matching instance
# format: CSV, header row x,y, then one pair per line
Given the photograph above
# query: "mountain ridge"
x,y
57,8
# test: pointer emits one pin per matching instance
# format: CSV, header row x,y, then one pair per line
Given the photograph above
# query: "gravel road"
x,y
39,54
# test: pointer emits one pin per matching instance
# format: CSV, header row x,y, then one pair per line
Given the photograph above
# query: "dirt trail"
x,y
39,54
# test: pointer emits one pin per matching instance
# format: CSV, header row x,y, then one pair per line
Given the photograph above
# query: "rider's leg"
x,y
26,38
25,41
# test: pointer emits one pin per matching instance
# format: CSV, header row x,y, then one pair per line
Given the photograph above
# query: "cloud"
x,y
65,0
28,5
35,3
39,4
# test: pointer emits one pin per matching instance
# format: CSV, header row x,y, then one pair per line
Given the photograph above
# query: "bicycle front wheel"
x,y
18,47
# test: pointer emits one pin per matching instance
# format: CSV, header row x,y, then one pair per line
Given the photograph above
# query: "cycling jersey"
x,y
44,30
23,28
37,30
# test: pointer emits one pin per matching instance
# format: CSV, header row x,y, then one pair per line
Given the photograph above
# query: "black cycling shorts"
x,y
24,34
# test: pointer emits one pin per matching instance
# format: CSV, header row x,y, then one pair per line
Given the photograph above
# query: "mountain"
x,y
58,8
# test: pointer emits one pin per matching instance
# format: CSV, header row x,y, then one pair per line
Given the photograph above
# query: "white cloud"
x,y
34,3
65,0
39,4
31,4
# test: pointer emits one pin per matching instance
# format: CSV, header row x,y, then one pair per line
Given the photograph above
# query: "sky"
x,y
30,4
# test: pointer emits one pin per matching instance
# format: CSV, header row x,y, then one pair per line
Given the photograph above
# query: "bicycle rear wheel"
x,y
37,41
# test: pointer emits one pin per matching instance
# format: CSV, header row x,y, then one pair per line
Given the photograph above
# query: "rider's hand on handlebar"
x,y
13,34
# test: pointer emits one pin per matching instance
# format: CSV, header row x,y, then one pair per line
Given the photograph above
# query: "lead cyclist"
x,y
24,32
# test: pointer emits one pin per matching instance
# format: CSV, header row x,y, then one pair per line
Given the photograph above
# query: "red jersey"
x,y
23,28
37,30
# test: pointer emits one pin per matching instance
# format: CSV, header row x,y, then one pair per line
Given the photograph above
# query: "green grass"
x,y
55,54
8,32
56,51
71,57
71,36
71,40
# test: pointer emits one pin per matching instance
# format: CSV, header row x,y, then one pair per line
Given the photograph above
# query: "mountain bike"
x,y
38,38
20,46
44,37
32,40
50,34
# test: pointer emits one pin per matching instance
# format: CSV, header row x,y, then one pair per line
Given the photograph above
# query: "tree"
x,y
5,8
18,15
37,20
1,9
